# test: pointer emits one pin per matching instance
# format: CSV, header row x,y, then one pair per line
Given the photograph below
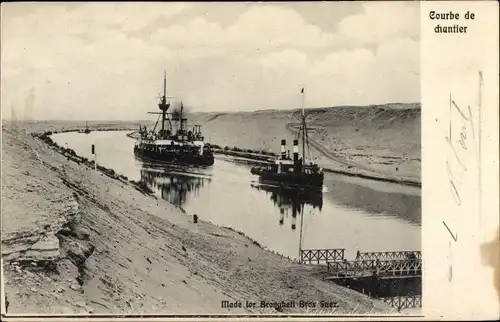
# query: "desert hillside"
x,y
381,138
75,240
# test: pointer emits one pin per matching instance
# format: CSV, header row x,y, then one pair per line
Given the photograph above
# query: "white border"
x,y
450,65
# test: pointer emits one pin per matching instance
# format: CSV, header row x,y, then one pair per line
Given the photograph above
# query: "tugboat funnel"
x,y
283,149
295,150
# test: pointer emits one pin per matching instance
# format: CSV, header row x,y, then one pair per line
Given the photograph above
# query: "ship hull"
x,y
175,158
314,181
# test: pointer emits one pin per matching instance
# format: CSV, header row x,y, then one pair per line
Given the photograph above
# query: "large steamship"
x,y
173,142
292,172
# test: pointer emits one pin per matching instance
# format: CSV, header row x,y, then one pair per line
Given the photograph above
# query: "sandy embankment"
x,y
79,241
380,142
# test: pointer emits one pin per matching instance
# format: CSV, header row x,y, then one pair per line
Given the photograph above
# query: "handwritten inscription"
x,y
455,237
461,138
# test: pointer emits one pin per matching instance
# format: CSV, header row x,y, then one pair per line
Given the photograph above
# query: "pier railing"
x,y
383,256
365,268
403,302
412,267
311,256
351,268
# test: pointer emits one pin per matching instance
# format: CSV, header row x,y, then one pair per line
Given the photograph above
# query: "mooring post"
x,y
95,157
195,218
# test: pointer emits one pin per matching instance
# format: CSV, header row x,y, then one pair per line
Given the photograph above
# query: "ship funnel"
x,y
283,149
295,150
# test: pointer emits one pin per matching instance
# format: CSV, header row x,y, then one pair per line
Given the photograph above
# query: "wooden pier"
x,y
403,302
321,256
379,268
394,277
382,265
390,255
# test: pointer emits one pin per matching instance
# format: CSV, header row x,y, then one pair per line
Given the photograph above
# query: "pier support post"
x,y
95,157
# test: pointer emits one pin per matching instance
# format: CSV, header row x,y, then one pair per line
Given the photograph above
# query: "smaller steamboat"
x,y
292,172
173,142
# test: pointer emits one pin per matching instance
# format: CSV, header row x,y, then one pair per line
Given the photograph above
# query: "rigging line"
x,y
169,123
305,223
308,147
301,231
157,122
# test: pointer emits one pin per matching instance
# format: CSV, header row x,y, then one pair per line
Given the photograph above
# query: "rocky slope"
x,y
80,241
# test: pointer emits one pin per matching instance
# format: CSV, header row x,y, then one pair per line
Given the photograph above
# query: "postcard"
x,y
250,160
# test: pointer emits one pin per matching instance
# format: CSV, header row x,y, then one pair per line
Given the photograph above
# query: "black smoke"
x,y
176,111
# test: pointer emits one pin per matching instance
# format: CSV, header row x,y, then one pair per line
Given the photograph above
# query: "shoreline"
x,y
103,229
352,170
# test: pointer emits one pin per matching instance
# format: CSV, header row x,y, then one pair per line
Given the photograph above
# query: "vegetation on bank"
x,y
236,149
70,154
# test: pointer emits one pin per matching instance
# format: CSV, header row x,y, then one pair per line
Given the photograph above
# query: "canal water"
x,y
351,213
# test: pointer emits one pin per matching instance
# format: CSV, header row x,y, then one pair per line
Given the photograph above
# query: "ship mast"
x,y
163,101
181,120
303,126
303,140
163,104
164,86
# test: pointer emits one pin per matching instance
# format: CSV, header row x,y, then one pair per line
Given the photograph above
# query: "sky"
x,y
105,61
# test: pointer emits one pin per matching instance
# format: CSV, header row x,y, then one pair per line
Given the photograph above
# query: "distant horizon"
x,y
405,105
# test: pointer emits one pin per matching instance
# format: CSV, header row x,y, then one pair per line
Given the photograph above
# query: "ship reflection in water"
x,y
291,201
174,186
